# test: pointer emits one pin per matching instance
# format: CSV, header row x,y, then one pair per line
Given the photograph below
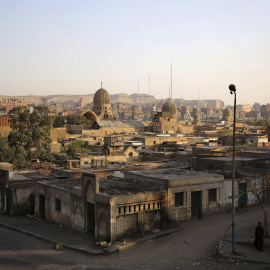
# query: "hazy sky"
x,y
69,47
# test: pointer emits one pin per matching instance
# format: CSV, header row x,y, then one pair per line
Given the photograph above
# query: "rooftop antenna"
x,y
171,80
169,92
149,89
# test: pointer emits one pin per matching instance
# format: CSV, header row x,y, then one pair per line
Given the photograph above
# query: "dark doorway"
x,y
242,198
42,206
8,199
32,204
90,217
196,204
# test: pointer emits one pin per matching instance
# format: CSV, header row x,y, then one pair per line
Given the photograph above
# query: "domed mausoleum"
x,y
169,109
166,120
227,115
102,104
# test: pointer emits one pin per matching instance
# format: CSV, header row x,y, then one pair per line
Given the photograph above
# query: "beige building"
x,y
144,200
166,120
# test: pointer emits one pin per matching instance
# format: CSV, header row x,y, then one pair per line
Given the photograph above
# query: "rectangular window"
x,y
57,205
179,199
212,195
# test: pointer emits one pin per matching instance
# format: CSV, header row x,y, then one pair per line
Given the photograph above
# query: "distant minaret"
x,y
149,89
138,85
101,84
171,80
169,92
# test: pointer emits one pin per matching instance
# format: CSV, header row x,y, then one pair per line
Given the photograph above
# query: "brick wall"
x,y
136,212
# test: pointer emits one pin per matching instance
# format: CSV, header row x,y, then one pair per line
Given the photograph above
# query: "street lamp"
x,y
233,91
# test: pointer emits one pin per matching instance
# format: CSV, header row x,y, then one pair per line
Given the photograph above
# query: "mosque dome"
x,y
169,107
102,97
227,115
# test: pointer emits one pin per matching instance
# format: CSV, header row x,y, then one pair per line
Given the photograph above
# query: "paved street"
x,y
191,248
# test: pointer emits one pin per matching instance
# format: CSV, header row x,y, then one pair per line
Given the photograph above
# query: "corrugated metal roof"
x,y
120,123
134,123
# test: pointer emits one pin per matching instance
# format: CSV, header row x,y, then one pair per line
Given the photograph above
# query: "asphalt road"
x,y
177,251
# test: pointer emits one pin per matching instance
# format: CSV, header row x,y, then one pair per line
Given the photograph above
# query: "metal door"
x,y
242,195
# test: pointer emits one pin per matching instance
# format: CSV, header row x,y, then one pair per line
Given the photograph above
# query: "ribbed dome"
x,y
102,97
227,112
169,107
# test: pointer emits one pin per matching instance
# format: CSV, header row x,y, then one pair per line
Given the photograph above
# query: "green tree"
x,y
18,158
75,147
263,122
30,135
76,119
59,121
4,156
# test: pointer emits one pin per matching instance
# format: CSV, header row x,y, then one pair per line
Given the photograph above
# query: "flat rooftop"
x,y
237,158
174,174
66,184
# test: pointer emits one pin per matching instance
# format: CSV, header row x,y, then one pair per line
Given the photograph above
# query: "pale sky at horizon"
x,y
69,47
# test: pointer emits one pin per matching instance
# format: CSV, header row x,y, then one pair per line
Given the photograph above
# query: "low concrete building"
x,y
142,201
17,191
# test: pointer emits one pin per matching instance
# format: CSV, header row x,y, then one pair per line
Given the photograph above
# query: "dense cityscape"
x,y
134,135
115,169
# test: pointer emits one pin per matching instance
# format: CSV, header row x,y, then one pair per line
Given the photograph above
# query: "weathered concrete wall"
x,y
20,200
77,214
137,212
69,174
250,182
52,193
207,208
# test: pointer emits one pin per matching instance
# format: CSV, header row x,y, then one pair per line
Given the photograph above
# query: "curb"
x,y
14,228
236,257
119,247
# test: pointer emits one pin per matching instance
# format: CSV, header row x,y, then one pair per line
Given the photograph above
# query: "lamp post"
x,y
233,91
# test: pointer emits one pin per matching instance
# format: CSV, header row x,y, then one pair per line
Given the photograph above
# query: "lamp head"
x,y
232,88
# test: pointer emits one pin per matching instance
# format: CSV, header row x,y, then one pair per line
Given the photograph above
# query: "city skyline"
x,y
51,48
